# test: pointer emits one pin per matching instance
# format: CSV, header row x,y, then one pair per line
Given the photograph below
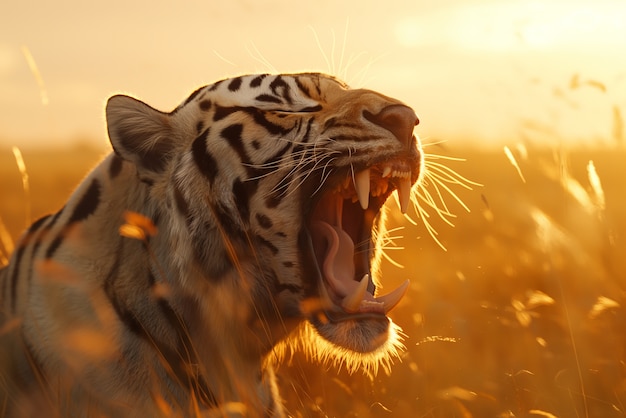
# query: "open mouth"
x,y
341,232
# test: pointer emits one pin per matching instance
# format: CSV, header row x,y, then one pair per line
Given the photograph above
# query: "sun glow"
x,y
519,25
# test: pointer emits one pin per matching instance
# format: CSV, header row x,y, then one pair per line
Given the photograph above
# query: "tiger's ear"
x,y
139,133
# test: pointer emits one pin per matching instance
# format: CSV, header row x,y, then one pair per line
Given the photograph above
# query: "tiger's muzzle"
x,y
341,222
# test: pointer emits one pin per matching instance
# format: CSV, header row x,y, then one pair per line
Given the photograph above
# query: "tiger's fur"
x,y
217,262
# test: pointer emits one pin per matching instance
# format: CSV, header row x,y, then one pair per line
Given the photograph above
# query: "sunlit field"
x,y
517,255
521,315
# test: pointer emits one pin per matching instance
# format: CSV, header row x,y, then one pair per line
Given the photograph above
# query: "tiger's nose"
x,y
397,119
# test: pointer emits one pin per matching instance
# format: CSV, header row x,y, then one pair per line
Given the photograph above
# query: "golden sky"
x,y
477,72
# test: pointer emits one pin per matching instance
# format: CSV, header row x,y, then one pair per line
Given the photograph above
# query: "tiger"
x,y
213,238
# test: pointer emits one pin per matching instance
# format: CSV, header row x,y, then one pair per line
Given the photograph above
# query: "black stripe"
x,y
232,134
307,133
128,318
259,118
199,127
85,207
186,358
255,113
279,153
151,279
44,232
87,204
180,360
214,259
329,123
147,181
264,221
205,250
156,217
14,276
54,246
38,223
38,240
234,84
204,161
193,96
267,244
267,98
304,89
181,204
274,198
229,225
14,267
311,109
116,166
280,84
243,192
355,137
221,112
205,105
256,81
216,85
317,82
301,144
56,217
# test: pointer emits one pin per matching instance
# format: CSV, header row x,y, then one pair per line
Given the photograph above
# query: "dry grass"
x,y
523,315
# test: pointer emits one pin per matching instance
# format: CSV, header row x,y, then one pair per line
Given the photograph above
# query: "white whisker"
x,y
423,215
431,199
319,46
332,52
444,214
439,177
391,260
260,58
438,183
353,58
340,71
459,179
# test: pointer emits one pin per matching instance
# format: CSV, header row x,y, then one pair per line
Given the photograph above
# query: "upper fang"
x,y
362,187
404,193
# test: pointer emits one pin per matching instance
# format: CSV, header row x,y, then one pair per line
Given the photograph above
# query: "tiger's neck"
x,y
155,288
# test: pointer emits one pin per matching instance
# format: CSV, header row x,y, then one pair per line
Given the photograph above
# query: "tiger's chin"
x,y
353,345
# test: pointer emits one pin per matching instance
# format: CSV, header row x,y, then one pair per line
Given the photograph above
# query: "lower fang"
x,y
352,303
390,300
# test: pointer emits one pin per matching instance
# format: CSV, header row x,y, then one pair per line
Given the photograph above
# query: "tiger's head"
x,y
273,185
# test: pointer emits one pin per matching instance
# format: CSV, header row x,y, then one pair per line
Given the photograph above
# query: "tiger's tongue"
x,y
335,253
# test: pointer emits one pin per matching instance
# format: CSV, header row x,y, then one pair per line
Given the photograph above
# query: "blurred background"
x,y
475,70
516,307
